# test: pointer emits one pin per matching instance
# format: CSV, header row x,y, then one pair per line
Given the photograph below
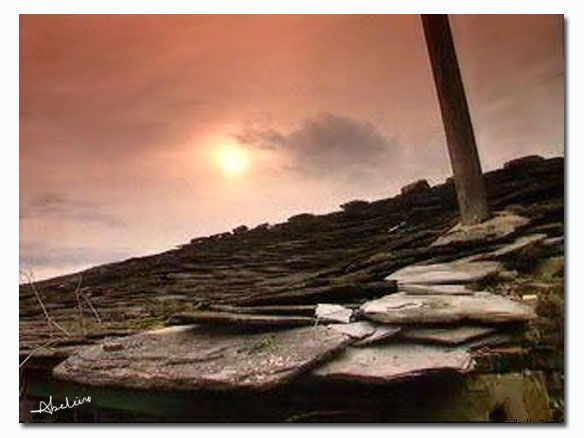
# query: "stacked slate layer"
x,y
376,293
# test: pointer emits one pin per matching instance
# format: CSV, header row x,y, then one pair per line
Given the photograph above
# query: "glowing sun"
x,y
232,160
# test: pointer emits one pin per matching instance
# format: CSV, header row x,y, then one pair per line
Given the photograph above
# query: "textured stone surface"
x,y
446,273
525,243
435,289
333,313
356,330
483,307
502,224
383,333
239,319
338,257
385,363
190,358
314,295
296,310
448,335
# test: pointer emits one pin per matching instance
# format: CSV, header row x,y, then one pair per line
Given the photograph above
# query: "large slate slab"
x,y
484,307
188,358
446,273
239,319
385,363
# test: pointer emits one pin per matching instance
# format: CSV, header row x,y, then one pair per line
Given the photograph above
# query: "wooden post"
x,y
464,158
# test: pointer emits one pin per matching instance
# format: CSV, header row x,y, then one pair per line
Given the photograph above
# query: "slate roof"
x,y
421,297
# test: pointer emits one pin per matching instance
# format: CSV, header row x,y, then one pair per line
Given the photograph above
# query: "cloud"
x,y
38,254
55,205
328,144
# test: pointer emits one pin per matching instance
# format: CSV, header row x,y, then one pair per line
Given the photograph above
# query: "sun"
x,y
232,160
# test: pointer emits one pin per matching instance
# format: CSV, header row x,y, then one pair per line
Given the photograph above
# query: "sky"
x,y
139,133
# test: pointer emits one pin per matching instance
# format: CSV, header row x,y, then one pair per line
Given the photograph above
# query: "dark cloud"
x,y
328,144
55,205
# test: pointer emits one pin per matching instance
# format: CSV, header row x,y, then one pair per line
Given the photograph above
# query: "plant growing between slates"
x,y
80,296
29,277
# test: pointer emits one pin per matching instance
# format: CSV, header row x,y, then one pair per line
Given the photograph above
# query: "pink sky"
x,y
120,117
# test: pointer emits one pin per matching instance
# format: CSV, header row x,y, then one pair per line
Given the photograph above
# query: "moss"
x,y
147,322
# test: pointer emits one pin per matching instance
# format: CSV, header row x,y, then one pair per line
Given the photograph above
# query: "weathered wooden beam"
x,y
464,158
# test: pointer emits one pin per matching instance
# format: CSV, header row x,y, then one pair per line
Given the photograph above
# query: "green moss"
x,y
147,322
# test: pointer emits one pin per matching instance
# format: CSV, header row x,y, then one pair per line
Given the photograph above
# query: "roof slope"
x,y
342,257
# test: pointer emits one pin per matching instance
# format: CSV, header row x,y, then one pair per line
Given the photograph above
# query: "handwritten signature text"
x,y
49,408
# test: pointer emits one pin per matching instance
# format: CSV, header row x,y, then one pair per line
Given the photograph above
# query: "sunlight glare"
x,y
233,160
